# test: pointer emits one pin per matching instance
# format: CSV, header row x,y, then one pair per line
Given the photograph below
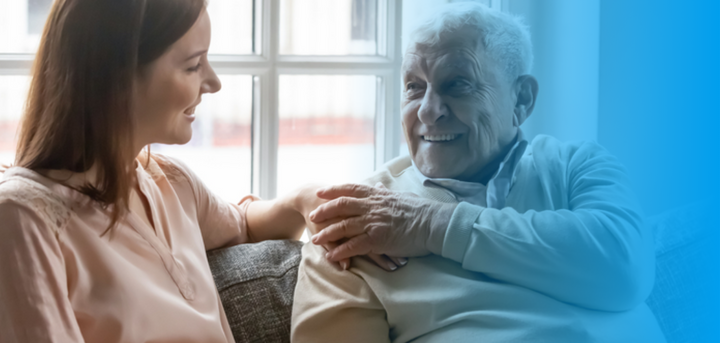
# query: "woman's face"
x,y
171,87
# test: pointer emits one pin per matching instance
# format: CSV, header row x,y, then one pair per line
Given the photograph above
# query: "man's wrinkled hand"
x,y
306,201
375,220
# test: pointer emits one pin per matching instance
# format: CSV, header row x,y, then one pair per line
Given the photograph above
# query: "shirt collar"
x,y
466,188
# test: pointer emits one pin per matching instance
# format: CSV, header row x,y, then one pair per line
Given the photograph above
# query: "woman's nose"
x,y
212,84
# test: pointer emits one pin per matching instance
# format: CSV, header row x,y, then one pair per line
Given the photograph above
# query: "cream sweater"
x,y
567,260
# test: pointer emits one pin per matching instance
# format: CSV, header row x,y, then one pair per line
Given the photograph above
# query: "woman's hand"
x,y
305,201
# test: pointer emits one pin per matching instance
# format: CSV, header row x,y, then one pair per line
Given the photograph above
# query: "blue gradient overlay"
x,y
658,113
642,78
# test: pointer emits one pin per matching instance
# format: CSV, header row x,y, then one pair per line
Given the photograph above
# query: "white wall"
x,y
566,38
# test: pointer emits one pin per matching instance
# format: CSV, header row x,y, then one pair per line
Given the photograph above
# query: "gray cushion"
x,y
256,283
686,293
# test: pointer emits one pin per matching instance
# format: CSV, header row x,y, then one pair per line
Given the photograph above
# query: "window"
x,y
310,91
328,27
38,10
13,90
326,129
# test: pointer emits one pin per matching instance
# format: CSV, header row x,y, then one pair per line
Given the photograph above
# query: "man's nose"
x,y
432,108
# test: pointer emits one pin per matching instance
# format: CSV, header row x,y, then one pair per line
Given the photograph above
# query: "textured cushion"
x,y
256,284
686,293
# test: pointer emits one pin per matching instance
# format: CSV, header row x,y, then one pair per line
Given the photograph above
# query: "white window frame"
x,y
266,66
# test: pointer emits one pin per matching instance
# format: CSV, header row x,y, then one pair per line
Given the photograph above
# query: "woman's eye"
x,y
195,68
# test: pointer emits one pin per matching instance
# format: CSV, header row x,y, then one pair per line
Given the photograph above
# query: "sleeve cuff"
x,y
457,235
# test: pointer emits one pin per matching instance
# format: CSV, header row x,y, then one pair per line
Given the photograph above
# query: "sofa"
x,y
256,281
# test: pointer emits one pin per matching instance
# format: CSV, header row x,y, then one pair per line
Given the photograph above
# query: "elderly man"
x,y
510,241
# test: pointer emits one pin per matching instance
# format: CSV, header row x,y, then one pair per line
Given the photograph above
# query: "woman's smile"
x,y
190,112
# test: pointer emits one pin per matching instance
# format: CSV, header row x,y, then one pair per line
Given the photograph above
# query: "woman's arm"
x,y
34,304
224,224
282,218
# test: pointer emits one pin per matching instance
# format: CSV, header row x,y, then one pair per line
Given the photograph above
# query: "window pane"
x,y
13,93
232,26
21,24
328,27
326,131
219,151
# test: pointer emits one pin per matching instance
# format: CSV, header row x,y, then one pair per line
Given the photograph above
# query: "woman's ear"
x,y
526,88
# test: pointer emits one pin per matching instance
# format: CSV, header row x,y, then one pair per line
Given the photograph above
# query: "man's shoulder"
x,y
395,174
545,148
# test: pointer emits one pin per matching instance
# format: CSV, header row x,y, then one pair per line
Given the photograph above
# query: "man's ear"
x,y
526,88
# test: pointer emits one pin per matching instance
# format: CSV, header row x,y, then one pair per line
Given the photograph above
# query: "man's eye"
x,y
458,85
412,86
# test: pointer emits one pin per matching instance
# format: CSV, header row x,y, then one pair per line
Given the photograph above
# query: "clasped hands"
x,y
358,220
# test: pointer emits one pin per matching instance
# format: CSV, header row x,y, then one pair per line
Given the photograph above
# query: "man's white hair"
x,y
505,37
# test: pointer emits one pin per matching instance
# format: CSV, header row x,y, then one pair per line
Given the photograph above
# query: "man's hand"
x,y
306,200
375,220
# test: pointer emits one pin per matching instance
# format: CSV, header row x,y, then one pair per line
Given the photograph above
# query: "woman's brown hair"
x,y
79,108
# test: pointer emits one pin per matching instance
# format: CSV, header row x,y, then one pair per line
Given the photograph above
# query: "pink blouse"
x,y
61,280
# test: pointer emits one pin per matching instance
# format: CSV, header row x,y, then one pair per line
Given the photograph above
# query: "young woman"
x,y
98,241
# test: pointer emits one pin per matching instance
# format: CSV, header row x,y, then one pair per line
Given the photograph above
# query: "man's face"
x,y
457,108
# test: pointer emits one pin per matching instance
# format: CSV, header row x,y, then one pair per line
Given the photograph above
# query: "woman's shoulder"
x,y
170,167
23,193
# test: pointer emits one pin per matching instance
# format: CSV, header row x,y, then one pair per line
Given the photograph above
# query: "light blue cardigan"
x,y
567,260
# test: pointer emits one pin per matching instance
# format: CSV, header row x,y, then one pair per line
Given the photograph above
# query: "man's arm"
x,y
334,306
596,253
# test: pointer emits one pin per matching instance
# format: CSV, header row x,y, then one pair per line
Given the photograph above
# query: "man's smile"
x,y
440,138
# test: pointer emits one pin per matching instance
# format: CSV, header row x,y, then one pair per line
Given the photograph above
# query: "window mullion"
x,y
381,112
266,120
390,127
265,140
383,28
